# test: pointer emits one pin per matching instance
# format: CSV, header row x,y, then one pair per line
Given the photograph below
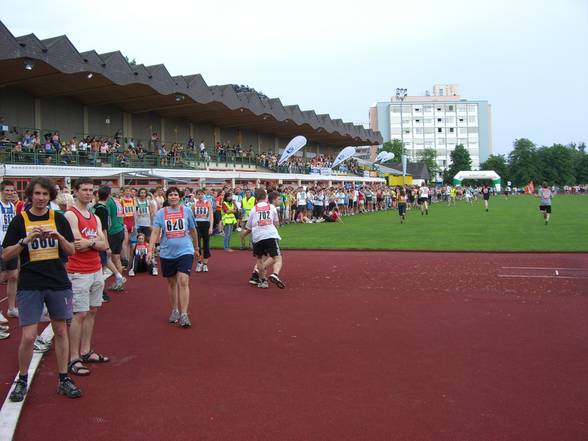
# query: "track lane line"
x,y
521,276
544,268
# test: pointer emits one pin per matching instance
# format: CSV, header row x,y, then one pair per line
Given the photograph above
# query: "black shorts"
x,y
300,208
486,197
423,200
115,241
545,208
401,209
182,264
266,247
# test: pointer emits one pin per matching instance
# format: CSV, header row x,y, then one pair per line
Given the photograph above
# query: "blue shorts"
x,y
182,264
30,305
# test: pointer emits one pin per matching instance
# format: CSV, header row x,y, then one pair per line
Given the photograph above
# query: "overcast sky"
x,y
528,58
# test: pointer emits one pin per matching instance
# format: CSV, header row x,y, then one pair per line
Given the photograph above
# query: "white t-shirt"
x,y
301,198
7,213
262,222
424,192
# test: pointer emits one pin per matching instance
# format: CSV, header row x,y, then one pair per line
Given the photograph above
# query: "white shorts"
x,y
87,290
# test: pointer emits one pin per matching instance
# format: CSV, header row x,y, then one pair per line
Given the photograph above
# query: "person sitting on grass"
x,y
333,216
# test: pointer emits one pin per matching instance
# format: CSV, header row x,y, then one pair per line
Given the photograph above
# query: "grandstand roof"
x,y
61,70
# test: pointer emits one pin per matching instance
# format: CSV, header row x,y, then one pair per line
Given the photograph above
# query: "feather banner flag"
x,y
343,156
293,146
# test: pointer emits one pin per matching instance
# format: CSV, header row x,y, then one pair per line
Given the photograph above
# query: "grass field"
x,y
511,225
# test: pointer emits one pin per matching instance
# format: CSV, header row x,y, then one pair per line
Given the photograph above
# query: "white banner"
x,y
387,156
343,156
293,146
384,156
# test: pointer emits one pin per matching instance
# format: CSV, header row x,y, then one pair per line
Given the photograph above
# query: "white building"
x,y
439,121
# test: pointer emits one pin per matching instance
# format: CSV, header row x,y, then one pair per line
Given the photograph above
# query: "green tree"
x,y
497,163
460,160
555,165
429,157
394,146
522,162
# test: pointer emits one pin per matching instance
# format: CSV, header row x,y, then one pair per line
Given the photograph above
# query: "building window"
x,y
439,130
461,120
417,120
417,109
438,119
450,108
451,130
438,109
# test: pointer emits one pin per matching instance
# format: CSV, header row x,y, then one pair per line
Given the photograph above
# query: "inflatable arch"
x,y
481,174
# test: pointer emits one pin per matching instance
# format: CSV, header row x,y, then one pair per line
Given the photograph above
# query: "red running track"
x,y
360,346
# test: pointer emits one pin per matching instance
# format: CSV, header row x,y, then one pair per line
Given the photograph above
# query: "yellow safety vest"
x,y
248,204
42,249
229,218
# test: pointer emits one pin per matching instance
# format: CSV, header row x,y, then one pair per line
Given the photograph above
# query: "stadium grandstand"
x,y
70,113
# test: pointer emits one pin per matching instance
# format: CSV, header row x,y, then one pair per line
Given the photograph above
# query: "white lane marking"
x,y
541,277
544,268
4,299
10,412
556,272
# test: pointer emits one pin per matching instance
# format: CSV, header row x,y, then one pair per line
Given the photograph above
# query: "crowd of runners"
x,y
56,248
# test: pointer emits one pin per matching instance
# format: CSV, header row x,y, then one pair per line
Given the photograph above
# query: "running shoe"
x,y
19,391
68,388
12,312
4,328
174,316
118,285
198,267
4,334
131,272
254,279
3,320
40,346
204,268
263,284
239,229
185,321
155,272
105,297
276,280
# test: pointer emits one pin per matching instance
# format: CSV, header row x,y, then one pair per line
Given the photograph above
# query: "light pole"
x,y
400,95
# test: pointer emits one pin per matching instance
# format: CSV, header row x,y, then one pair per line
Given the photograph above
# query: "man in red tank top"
x,y
85,272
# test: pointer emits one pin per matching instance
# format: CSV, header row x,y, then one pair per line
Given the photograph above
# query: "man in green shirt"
x,y
116,237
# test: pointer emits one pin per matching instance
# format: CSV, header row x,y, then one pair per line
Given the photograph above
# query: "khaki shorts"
x,y
87,290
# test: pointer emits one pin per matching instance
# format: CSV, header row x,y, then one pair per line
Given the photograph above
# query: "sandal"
x,y
86,358
77,368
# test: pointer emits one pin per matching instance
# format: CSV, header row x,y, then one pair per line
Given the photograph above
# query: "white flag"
x,y
379,157
387,156
343,156
293,146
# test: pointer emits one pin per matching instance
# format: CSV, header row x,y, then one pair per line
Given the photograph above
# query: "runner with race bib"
x,y
204,221
262,226
179,240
